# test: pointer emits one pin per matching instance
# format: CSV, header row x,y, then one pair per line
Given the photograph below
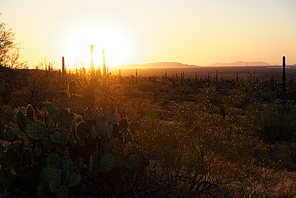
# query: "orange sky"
x,y
199,32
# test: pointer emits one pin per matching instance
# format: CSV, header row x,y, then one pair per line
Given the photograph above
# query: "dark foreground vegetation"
x,y
66,135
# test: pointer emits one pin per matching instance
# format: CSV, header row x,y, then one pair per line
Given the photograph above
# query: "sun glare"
x,y
114,47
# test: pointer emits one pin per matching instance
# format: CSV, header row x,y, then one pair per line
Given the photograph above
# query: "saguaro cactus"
x,y
284,80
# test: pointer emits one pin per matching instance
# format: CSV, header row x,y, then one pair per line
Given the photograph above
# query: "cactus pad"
x,y
1,151
83,130
129,137
55,114
62,192
120,138
14,129
77,104
74,179
30,112
93,133
101,128
63,94
21,121
55,137
22,109
10,155
78,162
47,142
72,88
109,130
64,102
131,161
89,115
91,163
9,134
50,108
35,130
109,145
65,117
123,125
108,113
106,163
53,186
52,173
65,167
43,191
53,160
64,136
114,119
18,147
89,96
38,150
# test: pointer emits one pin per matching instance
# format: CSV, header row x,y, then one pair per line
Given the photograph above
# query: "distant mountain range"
x,y
156,65
241,63
159,65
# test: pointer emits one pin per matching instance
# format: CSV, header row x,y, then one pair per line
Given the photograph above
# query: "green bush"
x,y
275,123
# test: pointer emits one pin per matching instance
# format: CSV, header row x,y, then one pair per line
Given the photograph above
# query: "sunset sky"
x,y
199,32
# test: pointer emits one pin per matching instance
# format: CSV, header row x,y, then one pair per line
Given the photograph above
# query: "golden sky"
x,y
199,32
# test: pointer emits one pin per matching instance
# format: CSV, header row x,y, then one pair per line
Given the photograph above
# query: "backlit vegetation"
x,y
76,135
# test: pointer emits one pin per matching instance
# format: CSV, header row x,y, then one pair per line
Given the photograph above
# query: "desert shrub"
x,y
267,97
182,94
198,147
276,123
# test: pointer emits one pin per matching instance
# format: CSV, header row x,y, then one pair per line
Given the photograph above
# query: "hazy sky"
x,y
199,32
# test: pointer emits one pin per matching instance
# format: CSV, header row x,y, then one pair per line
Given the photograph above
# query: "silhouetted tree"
x,y
9,49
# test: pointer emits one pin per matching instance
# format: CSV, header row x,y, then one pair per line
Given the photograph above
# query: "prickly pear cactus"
x,y
9,134
59,175
96,139
106,163
55,137
129,137
62,192
21,120
131,161
64,134
84,130
10,155
108,113
53,160
72,88
64,102
35,130
18,147
50,108
101,128
74,179
89,96
37,150
114,118
123,125
65,117
30,112
109,130
89,115
1,151
77,104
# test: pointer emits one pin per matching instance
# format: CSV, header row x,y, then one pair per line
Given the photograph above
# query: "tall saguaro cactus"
x,y
284,80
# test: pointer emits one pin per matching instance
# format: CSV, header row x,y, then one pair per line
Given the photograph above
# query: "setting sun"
x,y
114,47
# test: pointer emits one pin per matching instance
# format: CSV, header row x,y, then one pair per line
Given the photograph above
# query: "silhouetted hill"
x,y
241,63
156,65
